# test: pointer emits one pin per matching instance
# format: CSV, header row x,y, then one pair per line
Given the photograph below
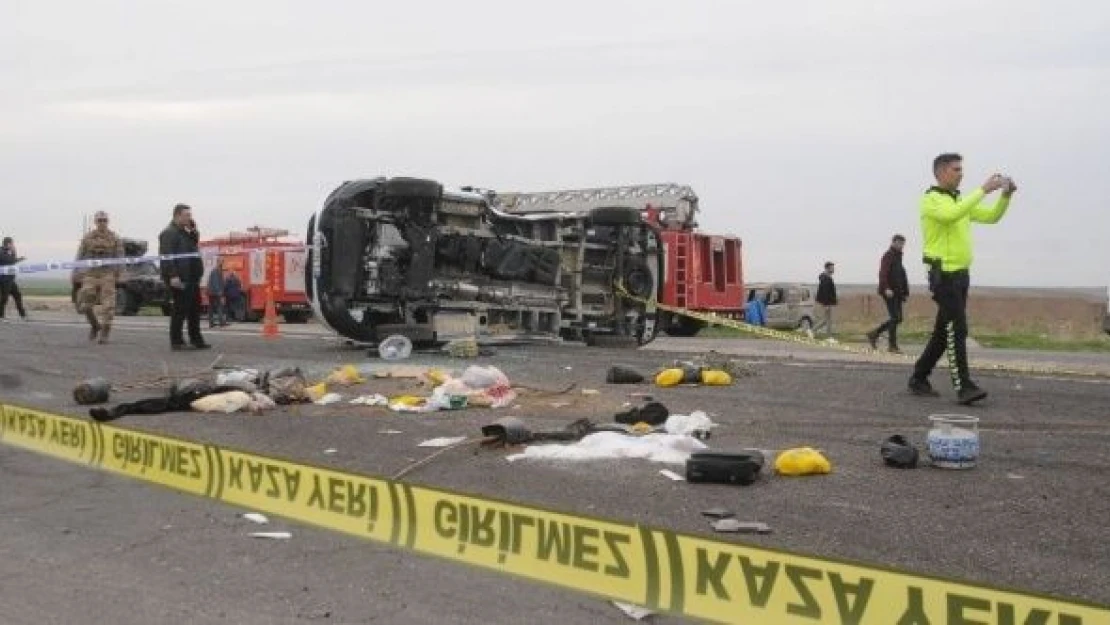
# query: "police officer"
x,y
946,219
183,275
97,297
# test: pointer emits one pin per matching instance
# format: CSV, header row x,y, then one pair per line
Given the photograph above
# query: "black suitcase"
x,y
724,466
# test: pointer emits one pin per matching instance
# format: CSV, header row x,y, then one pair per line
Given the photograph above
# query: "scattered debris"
x,y
733,526
667,473
227,403
802,461
328,398
395,347
347,375
316,391
590,391
717,513
255,517
725,467
92,391
633,612
652,413
620,374
1015,476
898,452
390,432
662,448
560,404
237,376
272,535
443,441
463,348
696,424
370,400
331,451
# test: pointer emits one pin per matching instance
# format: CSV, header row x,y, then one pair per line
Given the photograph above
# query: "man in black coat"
x,y
8,286
183,276
894,287
826,300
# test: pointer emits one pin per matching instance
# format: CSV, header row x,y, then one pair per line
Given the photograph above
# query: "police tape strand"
x,y
727,322
660,569
95,263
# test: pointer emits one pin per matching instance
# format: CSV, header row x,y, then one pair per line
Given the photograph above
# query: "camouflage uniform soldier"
x,y
97,297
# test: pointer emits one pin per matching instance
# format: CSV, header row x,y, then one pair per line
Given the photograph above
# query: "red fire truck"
x,y
260,256
703,272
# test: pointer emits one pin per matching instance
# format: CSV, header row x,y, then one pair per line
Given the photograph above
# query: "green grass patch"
x,y
1016,340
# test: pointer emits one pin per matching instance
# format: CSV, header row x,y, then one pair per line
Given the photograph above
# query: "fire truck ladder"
x,y
675,198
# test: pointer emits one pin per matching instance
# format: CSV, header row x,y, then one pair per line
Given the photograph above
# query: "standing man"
x,y
217,308
183,276
826,299
97,297
894,288
946,220
233,292
8,287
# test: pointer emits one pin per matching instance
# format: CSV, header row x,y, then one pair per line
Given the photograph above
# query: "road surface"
x,y
81,546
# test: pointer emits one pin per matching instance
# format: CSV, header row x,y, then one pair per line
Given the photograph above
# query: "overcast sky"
x,y
806,127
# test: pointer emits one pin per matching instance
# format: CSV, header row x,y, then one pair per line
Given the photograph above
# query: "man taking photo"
x,y
946,219
894,287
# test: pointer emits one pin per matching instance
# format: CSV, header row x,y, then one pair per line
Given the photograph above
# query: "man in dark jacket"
x,y
8,285
217,305
233,294
183,276
826,300
894,287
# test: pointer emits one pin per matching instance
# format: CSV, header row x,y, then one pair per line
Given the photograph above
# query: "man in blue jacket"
x,y
216,304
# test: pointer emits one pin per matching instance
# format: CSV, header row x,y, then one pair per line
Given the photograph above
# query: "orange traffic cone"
x,y
269,319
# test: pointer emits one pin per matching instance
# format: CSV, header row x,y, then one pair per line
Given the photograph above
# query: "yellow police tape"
x,y
726,322
687,575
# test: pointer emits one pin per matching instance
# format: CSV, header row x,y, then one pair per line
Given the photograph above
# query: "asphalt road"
x,y
80,546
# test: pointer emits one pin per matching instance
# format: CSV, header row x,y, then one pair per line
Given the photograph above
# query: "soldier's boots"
x,y
104,330
94,325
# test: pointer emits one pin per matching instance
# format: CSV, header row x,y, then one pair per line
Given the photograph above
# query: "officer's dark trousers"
x,y
950,331
186,311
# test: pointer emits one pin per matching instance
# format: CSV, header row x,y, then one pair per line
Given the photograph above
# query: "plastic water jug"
x,y
953,441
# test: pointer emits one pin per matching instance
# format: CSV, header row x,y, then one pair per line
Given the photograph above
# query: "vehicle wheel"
x,y
639,282
126,303
412,187
615,216
685,327
805,325
295,316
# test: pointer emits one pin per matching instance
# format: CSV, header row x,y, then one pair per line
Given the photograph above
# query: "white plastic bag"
x,y
229,402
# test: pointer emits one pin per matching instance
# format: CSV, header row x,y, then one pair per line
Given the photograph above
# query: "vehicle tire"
x,y
615,216
805,325
127,304
412,187
296,316
638,281
685,327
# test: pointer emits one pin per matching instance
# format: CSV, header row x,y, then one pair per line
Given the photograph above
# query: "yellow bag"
x,y
314,393
710,377
669,377
802,461
346,375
